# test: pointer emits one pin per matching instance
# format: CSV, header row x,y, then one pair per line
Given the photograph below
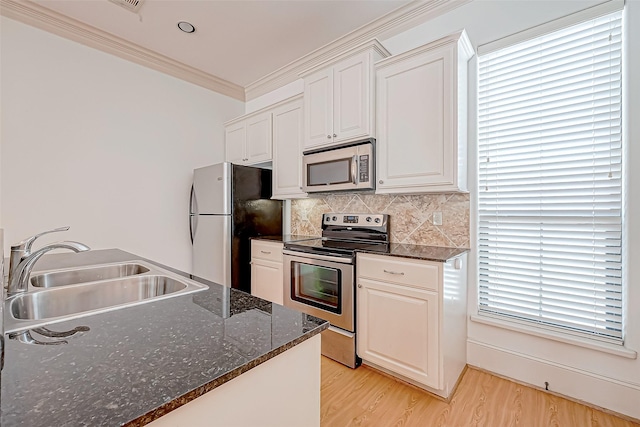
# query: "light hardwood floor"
x,y
365,397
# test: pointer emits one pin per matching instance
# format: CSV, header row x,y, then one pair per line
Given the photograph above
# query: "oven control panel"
x,y
362,220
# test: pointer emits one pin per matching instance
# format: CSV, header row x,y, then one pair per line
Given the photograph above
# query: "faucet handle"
x,y
25,245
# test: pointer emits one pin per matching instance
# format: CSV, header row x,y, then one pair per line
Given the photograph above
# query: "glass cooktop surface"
x,y
337,246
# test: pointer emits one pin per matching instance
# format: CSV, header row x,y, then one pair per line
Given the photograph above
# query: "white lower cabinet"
x,y
411,319
398,329
266,270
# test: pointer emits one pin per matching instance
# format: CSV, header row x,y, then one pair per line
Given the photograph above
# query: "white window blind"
x,y
550,178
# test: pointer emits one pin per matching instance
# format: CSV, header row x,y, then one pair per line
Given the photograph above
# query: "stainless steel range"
x,y
319,276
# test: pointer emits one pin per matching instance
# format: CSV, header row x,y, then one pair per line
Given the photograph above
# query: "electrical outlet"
x,y
304,216
437,218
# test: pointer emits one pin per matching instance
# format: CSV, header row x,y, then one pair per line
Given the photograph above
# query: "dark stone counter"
x,y
138,363
427,253
286,238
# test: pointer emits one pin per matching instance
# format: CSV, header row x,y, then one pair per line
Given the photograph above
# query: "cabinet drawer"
x,y
269,251
419,274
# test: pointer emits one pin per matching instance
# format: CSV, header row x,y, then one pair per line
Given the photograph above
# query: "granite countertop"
x,y
422,252
138,363
427,253
285,238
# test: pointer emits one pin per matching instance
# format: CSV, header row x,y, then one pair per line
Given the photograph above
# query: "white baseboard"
x,y
609,394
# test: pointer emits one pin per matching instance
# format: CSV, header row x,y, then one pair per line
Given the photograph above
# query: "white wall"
x,y
601,378
101,144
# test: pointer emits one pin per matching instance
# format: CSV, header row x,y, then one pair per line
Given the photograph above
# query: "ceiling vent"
x,y
130,5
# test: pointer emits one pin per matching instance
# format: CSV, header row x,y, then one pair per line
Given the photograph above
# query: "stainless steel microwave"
x,y
340,169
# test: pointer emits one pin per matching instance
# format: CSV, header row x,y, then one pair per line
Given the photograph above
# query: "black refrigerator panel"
x,y
254,214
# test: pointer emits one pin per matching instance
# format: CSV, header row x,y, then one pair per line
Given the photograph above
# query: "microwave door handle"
x,y
354,169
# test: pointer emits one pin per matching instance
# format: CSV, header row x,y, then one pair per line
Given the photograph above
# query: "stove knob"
x,y
377,220
335,218
368,219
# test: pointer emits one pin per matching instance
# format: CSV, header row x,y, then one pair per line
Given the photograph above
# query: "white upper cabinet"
x,y
248,140
234,142
273,134
318,100
421,113
287,150
338,97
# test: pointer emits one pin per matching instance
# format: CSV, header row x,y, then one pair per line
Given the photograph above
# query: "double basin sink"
x,y
65,294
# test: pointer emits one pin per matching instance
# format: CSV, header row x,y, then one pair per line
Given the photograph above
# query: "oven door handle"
x,y
319,257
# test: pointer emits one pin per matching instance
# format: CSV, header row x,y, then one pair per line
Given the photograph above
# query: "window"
x,y
550,180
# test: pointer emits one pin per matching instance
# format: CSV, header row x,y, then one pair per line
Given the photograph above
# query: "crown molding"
x,y
373,45
269,107
56,23
393,23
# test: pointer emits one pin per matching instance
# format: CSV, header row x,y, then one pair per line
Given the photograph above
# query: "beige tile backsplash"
x,y
411,216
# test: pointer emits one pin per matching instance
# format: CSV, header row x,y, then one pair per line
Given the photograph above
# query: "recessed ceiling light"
x,y
186,27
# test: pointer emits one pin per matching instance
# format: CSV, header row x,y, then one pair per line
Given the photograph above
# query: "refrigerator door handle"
x,y
192,213
192,219
193,204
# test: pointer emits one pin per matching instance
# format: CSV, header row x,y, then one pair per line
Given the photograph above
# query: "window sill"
x,y
618,350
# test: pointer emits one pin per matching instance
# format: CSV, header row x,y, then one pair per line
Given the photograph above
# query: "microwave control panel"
x,y
363,165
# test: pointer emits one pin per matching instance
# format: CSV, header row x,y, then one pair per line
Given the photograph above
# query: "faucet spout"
x,y
23,260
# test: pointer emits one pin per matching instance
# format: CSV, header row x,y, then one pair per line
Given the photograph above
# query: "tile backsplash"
x,y
410,216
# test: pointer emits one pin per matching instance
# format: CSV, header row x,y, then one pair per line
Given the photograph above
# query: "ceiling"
x,y
239,41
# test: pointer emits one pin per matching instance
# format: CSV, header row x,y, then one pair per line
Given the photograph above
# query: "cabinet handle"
x,y
266,252
335,136
381,182
400,273
328,136
359,285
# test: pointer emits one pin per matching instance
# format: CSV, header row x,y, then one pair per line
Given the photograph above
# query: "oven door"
x,y
320,285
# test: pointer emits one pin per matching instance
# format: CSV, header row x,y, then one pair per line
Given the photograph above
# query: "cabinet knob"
x,y
359,285
335,136
328,136
381,182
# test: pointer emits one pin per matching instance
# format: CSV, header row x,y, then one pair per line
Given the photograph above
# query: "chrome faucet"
x,y
22,259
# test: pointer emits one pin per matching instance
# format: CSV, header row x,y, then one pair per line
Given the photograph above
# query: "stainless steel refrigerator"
x,y
229,205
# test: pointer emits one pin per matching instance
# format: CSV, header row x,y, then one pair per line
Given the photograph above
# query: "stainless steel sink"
x,y
61,297
95,296
86,274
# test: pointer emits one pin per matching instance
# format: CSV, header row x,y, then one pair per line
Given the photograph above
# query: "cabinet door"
x,y
352,102
415,120
259,138
318,108
267,280
234,143
287,152
398,329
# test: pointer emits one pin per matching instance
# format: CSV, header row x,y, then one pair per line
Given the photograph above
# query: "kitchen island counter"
x,y
139,363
